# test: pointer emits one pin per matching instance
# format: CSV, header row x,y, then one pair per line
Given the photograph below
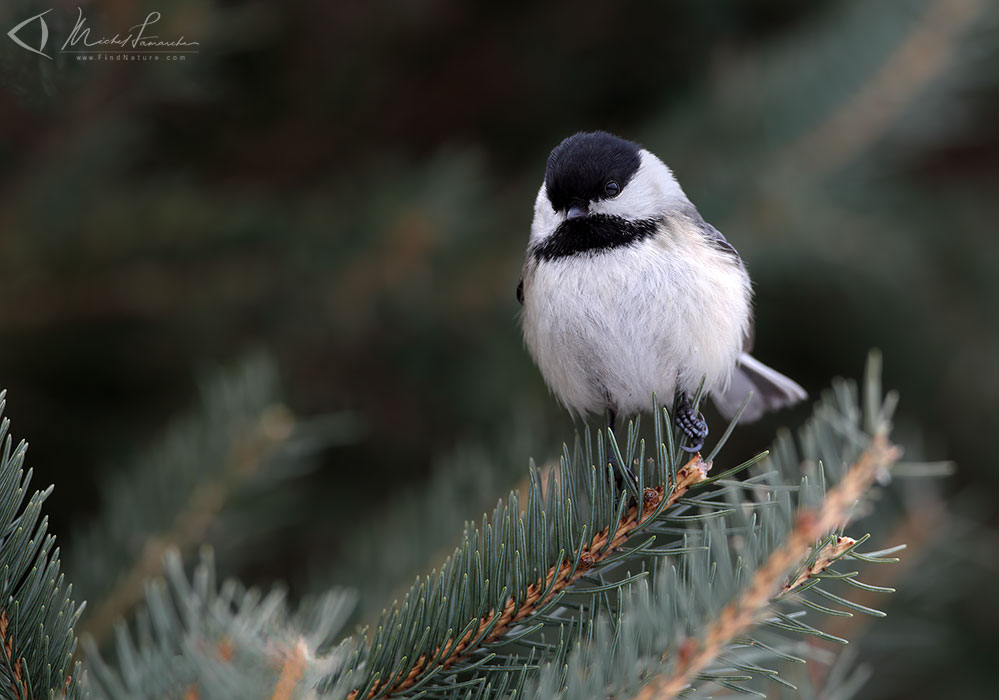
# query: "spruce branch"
x,y
749,608
556,580
37,610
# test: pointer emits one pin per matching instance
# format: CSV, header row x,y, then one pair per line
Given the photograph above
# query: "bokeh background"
x,y
347,188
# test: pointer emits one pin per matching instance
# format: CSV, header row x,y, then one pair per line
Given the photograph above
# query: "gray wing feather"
x,y
718,240
713,235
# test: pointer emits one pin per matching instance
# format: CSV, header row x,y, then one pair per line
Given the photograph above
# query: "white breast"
x,y
610,329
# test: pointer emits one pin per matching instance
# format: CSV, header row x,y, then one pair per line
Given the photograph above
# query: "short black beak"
x,y
576,211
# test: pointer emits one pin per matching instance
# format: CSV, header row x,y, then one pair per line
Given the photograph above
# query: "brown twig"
x,y
916,530
207,500
826,556
745,611
556,579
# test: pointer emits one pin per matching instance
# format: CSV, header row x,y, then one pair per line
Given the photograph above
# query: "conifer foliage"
x,y
37,610
685,578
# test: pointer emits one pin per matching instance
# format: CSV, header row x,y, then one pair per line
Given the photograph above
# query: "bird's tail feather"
x,y
771,390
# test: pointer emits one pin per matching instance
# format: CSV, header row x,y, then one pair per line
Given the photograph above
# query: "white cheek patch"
x,y
651,192
637,201
546,219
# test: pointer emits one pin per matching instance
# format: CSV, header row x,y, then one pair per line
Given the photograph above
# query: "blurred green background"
x,y
349,186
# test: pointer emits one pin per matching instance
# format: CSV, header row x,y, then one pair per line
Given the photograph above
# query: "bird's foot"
x,y
692,424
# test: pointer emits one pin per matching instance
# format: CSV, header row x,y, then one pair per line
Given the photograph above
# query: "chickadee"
x,y
627,291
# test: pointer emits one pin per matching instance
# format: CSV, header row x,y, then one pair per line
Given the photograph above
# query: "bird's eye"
x,y
612,189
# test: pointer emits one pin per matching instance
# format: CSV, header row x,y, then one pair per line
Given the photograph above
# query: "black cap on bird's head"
x,y
587,167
